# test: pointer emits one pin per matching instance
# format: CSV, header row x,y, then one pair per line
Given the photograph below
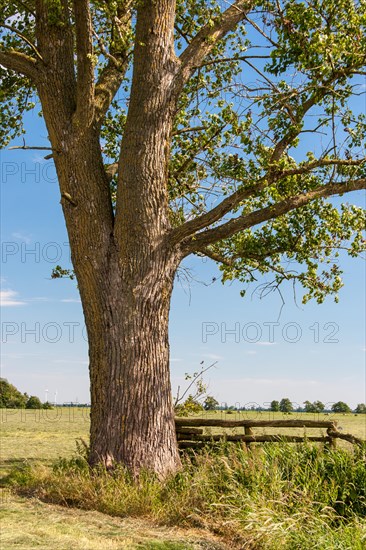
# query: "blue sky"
x,y
301,352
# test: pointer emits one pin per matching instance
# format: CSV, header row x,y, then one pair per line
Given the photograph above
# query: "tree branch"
x,y
111,170
26,147
307,167
236,58
214,215
85,66
24,38
207,38
321,89
216,257
109,82
111,77
240,223
20,63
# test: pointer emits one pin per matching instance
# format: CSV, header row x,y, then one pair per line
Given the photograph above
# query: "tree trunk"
x,y
125,287
132,418
124,264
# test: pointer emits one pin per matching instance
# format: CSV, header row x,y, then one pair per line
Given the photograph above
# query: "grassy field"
x,y
28,523
45,435
213,500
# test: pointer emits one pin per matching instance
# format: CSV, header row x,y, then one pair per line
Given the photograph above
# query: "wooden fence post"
x,y
248,431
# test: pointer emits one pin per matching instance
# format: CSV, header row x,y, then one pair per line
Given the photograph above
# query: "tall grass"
x,y
273,496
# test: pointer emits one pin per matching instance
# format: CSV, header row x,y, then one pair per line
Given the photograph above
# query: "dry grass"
x,y
29,523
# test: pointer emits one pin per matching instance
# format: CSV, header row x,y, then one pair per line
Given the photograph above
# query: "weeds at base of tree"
x,y
273,496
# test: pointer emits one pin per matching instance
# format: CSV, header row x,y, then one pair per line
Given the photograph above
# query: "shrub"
x,y
33,403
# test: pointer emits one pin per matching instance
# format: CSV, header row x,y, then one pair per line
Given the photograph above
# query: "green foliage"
x,y
13,106
286,405
198,399
278,495
17,93
33,403
341,407
361,408
315,407
10,397
210,403
275,406
289,71
58,273
190,406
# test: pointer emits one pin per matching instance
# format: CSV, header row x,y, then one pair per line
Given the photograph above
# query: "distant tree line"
x,y
286,406
194,406
12,398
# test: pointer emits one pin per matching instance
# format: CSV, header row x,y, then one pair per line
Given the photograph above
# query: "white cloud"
x,y
8,299
265,343
212,356
27,238
71,301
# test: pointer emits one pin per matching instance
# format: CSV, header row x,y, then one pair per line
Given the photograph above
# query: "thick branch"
x,y
55,42
109,82
111,77
20,63
240,223
207,38
214,215
228,204
111,170
216,257
85,66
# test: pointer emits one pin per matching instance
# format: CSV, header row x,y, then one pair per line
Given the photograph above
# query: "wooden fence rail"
x,y
190,431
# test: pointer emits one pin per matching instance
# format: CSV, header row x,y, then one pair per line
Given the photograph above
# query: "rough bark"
x,y
132,418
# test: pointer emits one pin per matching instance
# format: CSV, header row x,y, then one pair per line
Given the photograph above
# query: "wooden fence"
x,y
190,431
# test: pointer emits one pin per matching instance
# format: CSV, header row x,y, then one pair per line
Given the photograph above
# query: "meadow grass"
x,y
28,523
270,496
45,435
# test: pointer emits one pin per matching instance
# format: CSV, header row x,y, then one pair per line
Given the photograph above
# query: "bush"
x,y
190,406
33,403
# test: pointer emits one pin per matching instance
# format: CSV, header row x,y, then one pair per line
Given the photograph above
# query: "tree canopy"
x,y
266,125
10,396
